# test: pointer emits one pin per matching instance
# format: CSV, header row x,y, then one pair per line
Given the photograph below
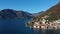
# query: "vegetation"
x,y
51,18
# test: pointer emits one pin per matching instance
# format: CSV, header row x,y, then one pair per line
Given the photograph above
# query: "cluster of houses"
x,y
43,25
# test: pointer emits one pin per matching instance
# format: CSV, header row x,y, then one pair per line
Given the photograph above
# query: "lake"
x,y
17,26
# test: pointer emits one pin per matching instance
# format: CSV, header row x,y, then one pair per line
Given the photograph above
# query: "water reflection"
x,y
50,32
40,31
37,31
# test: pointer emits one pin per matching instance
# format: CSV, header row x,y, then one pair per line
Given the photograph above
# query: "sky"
x,y
31,6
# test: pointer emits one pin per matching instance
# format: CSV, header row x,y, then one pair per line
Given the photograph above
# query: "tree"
x,y
51,18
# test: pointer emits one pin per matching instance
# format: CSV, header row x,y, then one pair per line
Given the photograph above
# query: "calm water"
x,y
16,26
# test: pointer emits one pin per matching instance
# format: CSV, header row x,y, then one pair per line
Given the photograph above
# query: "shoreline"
x,y
48,26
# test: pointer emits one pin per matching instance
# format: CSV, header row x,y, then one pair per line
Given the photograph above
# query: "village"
x,y
42,24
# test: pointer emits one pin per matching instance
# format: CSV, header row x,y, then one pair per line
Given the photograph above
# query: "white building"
x,y
57,21
36,25
43,21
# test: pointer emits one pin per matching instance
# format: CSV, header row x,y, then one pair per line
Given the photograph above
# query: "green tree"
x,y
51,18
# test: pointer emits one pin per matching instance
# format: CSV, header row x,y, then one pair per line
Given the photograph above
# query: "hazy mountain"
x,y
10,13
37,14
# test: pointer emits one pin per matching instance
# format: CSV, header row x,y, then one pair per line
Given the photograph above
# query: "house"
x,y
57,21
45,16
43,19
36,25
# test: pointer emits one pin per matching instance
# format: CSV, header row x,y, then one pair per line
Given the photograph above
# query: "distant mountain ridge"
x,y
37,14
10,13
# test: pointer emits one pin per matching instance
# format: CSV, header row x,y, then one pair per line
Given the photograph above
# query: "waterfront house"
x,y
36,25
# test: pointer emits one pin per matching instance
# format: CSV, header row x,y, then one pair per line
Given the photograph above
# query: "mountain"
x,y
49,16
10,13
55,10
37,14
53,13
